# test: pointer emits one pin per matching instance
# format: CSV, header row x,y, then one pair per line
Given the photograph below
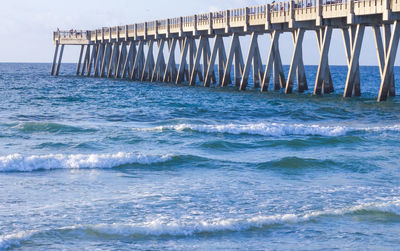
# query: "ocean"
x,y
101,164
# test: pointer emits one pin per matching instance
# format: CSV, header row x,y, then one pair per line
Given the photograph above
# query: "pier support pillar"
x,y
59,60
352,80
389,63
387,32
99,54
270,62
159,67
323,60
113,59
301,77
129,60
192,52
196,65
106,59
78,66
188,48
253,56
234,51
53,67
137,66
221,64
202,51
82,70
279,75
86,61
296,58
170,70
99,59
121,58
182,65
206,60
250,55
92,59
382,47
220,49
349,38
239,64
149,63
327,83
186,65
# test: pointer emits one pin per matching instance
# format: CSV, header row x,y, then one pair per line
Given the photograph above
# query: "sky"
x,y
27,26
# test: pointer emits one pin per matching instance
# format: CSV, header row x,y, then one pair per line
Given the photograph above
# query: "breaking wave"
x,y
272,129
19,163
177,227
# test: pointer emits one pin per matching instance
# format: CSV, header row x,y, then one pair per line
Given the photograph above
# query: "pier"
x,y
147,51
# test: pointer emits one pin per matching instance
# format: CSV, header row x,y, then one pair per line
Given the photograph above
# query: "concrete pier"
x,y
129,51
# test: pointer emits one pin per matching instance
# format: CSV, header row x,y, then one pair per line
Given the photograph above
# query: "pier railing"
x,y
275,13
72,34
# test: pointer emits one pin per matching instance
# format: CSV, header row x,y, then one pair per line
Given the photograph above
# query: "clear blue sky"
x,y
27,25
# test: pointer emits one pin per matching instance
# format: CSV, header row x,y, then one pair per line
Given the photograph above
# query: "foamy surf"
x,y
272,129
265,129
19,163
188,226
15,239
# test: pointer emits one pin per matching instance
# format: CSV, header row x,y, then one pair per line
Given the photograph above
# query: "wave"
x,y
19,163
175,227
34,127
12,240
272,129
296,162
265,129
393,128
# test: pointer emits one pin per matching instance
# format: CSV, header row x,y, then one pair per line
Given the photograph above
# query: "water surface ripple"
x,y
97,164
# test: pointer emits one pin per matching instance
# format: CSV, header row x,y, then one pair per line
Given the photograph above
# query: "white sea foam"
x,y
393,128
265,129
191,226
272,129
6,241
17,162
194,226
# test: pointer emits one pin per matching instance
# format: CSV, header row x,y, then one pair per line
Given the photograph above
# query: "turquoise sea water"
x,y
97,164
